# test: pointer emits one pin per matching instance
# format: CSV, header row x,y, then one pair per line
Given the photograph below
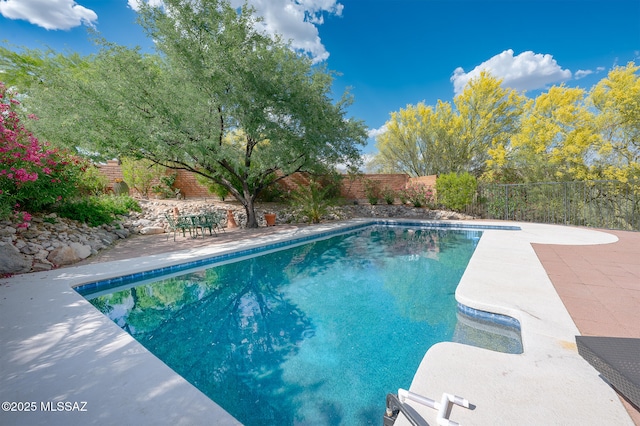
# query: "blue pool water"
x,y
314,334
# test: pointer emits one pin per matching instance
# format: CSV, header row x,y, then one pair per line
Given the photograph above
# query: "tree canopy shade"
x,y
221,100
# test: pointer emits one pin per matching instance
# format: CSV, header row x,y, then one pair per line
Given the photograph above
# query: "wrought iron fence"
x,y
598,204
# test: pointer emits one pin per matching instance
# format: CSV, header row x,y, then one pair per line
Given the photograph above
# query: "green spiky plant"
x,y
312,201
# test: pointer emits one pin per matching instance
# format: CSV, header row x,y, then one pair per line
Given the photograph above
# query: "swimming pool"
x,y
317,333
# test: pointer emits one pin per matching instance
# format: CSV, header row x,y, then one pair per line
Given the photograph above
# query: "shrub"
x,y
87,210
332,182
120,205
455,191
219,190
98,210
93,182
165,187
372,191
419,195
272,193
141,174
33,175
388,195
312,201
403,197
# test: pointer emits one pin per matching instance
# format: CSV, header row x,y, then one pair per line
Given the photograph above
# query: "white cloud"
x,y
374,133
367,165
526,71
297,21
135,4
582,74
294,20
49,14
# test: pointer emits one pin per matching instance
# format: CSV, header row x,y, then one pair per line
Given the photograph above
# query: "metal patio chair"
x,y
203,221
178,224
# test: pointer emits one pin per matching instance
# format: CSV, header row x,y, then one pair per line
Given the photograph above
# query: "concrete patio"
x,y
600,287
557,281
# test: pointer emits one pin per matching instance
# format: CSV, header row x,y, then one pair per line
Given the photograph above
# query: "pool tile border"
x,y
500,319
89,288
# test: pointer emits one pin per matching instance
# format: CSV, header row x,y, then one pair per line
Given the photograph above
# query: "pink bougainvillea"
x,y
33,175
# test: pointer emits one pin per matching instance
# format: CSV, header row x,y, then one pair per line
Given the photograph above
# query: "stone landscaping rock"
x,y
142,223
122,233
81,250
64,255
151,230
30,248
12,261
7,231
42,265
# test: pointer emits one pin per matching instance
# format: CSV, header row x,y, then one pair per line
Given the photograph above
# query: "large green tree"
x,y
221,100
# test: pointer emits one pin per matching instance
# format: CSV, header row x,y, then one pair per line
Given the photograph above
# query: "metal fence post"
x,y
566,204
506,202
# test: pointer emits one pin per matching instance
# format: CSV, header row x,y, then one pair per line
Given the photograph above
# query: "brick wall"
x,y
188,185
290,183
185,180
112,171
352,189
424,180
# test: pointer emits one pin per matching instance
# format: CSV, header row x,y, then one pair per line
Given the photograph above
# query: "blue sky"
x,y
389,52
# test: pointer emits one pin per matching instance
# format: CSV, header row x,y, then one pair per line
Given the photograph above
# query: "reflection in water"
x,y
315,334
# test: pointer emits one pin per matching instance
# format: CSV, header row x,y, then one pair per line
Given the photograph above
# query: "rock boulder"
x,y
81,250
12,261
150,230
63,255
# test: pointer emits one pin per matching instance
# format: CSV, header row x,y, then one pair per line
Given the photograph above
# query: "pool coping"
x,y
59,348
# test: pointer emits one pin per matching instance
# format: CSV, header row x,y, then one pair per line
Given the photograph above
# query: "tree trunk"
x,y
249,208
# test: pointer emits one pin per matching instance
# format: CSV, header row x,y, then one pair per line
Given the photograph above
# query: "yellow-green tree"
x,y
558,139
420,140
617,99
489,115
